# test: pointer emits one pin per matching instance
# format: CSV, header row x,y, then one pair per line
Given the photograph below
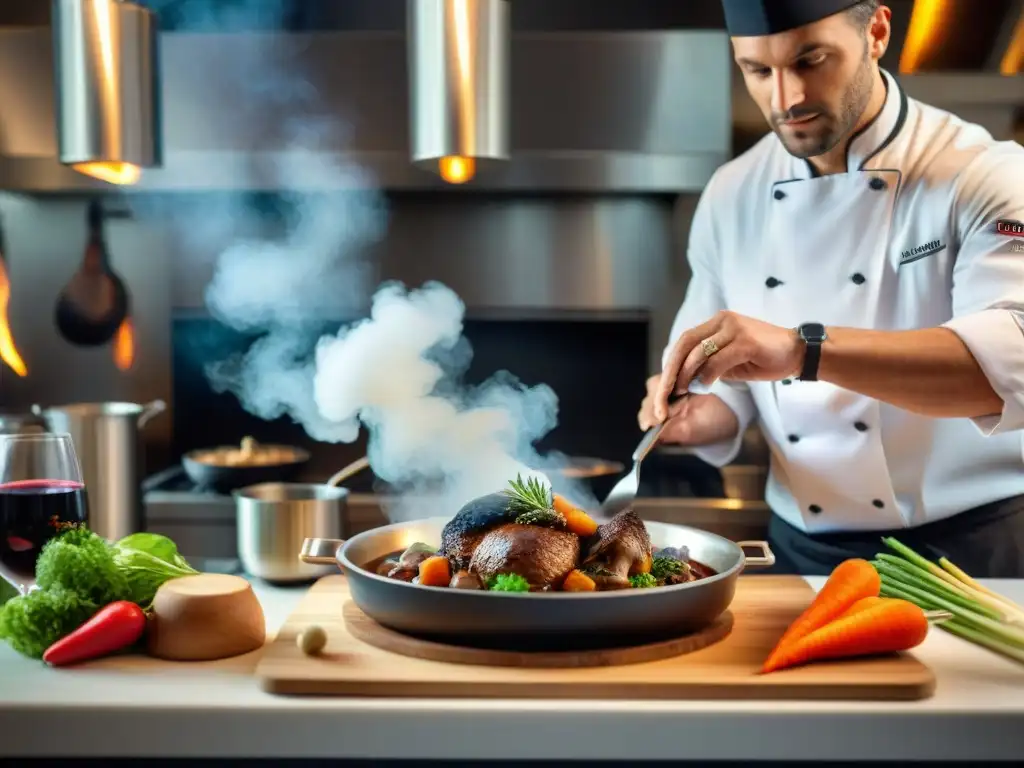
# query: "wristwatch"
x,y
814,336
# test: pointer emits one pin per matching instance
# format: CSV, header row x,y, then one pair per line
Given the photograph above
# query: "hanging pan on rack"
x,y
94,303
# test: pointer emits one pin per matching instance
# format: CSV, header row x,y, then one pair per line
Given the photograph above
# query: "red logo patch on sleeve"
x,y
1010,228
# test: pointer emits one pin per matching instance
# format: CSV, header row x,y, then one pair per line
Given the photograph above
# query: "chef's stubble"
x,y
838,126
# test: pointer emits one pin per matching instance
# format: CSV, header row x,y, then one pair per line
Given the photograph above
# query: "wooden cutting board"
x,y
762,609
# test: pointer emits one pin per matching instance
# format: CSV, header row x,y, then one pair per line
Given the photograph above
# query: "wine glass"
x,y
41,494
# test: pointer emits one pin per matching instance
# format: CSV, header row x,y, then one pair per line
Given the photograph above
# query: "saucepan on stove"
x,y
227,467
696,582
273,518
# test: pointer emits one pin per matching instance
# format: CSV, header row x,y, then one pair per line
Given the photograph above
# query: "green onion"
x,y
959,581
1016,614
976,613
924,581
920,562
966,615
1009,650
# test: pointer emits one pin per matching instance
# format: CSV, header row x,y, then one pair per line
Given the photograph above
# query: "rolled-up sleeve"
x,y
988,279
704,297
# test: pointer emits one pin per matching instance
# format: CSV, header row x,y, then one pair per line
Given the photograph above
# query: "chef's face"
x,y
813,83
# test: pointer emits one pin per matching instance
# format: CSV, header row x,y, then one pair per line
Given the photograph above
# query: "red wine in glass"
x,y
31,513
41,495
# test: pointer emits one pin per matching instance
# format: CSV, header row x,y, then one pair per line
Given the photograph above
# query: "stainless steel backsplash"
x,y
512,256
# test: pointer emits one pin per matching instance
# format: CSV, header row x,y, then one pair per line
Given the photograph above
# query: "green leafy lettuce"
x,y
147,560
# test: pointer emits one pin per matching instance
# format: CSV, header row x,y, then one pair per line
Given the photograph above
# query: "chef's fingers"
x,y
680,351
645,416
699,359
722,362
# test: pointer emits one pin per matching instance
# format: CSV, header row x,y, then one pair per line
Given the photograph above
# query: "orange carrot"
x,y
435,572
577,581
576,520
885,627
851,581
863,604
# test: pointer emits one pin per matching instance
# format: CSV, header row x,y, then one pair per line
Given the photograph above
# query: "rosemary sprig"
x,y
528,496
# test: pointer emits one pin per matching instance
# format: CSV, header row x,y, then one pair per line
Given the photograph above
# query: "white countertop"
x,y
145,708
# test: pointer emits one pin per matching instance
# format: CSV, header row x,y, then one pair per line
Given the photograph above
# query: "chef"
x,y
858,287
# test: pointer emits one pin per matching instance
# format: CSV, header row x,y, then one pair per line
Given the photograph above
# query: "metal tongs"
x,y
623,494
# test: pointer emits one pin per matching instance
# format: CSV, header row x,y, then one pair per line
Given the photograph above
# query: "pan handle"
x,y
765,560
345,473
321,551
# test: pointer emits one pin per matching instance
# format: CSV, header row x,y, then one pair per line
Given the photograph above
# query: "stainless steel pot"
x,y
454,613
273,519
21,423
106,438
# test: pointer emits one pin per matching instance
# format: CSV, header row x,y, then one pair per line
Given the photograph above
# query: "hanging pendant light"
x,y
459,85
107,88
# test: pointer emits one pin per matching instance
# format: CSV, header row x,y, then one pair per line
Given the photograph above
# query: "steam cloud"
x,y
396,372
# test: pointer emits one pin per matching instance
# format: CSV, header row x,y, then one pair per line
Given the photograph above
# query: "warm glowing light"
x,y
124,174
1013,59
120,173
124,345
8,352
457,170
924,33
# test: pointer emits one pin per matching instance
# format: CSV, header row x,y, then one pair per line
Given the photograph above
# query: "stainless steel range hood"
x,y
459,88
591,112
108,118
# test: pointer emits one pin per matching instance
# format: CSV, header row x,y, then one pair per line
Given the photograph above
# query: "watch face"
x,y
813,333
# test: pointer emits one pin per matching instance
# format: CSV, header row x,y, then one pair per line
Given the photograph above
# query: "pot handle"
x,y
321,551
151,409
765,560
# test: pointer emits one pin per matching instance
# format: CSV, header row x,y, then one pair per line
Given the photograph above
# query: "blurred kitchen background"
x,y
569,254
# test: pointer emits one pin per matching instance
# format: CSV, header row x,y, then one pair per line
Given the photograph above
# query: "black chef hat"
x,y
754,18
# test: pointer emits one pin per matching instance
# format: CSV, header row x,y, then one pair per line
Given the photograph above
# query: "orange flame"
x,y
929,25
124,345
457,170
8,351
123,174
1013,59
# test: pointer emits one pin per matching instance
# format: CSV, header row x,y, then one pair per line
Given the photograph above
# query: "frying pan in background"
x,y
223,478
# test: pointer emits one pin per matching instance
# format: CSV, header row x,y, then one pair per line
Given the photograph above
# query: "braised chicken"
x,y
621,548
527,539
543,556
462,534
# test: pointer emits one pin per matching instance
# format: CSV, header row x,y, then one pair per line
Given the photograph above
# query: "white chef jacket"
x,y
906,239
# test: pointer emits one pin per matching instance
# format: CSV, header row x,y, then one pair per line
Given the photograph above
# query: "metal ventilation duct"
x,y
107,89
459,84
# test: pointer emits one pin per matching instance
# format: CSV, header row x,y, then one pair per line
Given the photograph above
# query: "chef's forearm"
x,y
928,371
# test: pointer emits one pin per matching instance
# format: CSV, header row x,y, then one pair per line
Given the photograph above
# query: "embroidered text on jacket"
x,y
928,249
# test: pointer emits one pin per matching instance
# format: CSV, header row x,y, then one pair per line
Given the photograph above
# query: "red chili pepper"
x,y
114,627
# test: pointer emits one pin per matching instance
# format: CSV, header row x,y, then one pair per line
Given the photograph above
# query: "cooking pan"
x,y
224,478
467,615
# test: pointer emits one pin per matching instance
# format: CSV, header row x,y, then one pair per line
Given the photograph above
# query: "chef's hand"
x,y
694,420
741,349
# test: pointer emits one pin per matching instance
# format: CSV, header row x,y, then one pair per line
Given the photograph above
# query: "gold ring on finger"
x,y
709,347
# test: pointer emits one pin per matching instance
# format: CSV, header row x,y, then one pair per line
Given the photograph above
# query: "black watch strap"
x,y
813,335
